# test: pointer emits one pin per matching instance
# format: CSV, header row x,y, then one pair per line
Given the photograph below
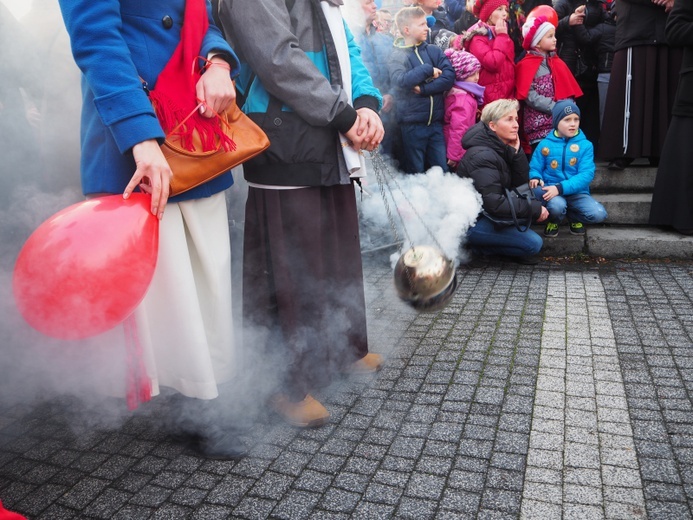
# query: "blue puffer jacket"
x,y
412,65
564,162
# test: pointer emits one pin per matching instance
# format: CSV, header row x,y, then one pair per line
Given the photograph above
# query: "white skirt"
x,y
184,322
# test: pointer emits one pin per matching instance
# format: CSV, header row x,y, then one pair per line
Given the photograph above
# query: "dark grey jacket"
x,y
292,88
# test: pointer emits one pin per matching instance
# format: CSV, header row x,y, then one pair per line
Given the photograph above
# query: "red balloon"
x,y
86,268
547,11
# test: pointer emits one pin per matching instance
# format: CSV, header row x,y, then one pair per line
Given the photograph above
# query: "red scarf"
x,y
564,84
174,97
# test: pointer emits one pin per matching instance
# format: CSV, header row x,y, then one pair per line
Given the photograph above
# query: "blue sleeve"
x,y
537,163
100,51
361,81
455,8
580,181
446,80
214,42
405,77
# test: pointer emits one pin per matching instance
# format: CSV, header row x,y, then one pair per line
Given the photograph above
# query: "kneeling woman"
x,y
495,162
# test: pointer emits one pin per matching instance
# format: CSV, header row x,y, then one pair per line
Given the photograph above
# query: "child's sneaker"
x,y
576,228
551,230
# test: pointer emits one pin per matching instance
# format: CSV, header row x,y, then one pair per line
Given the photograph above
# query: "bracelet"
x,y
209,63
220,64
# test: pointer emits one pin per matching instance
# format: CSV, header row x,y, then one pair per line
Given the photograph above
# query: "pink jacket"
x,y
497,58
460,115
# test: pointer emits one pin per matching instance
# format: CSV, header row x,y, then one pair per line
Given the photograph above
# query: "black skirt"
x,y
303,295
655,76
672,200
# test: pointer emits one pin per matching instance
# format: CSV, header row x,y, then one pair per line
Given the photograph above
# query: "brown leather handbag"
x,y
194,167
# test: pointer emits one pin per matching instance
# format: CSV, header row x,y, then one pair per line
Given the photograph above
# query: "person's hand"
x,y
417,89
388,103
452,165
436,72
501,27
550,192
215,88
153,175
374,130
516,143
544,214
533,183
367,132
578,17
667,4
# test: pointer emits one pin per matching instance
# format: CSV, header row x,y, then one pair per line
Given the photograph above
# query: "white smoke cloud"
x,y
39,176
435,208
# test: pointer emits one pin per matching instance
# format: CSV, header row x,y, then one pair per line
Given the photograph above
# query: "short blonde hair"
x,y
498,108
404,16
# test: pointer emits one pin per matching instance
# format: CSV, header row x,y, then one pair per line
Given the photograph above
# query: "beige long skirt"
x,y
184,322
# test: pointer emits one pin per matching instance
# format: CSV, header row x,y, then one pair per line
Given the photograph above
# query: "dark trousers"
x,y
303,295
423,146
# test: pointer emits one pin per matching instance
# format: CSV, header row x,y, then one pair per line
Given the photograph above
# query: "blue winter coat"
x,y
114,43
412,65
564,162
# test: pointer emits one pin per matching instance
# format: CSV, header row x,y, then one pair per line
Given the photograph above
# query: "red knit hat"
x,y
483,8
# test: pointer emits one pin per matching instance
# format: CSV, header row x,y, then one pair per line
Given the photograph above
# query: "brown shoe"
x,y
368,364
308,413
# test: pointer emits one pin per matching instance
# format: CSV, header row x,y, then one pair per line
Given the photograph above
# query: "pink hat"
x,y
534,30
482,9
464,63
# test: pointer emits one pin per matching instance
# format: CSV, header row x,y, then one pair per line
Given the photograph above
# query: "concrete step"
x,y
626,208
619,242
632,179
640,242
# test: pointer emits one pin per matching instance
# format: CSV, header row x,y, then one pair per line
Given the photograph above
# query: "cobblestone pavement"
x,y
555,391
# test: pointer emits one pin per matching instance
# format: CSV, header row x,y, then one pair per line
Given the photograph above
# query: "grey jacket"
x,y
292,87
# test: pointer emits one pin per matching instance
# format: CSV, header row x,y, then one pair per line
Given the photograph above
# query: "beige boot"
x,y
308,413
368,364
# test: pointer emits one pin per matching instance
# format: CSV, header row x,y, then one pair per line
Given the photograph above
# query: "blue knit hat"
x,y
562,109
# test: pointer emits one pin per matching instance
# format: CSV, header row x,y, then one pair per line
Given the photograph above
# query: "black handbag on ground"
x,y
520,192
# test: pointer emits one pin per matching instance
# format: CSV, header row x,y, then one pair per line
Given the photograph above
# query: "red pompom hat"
x,y
483,8
534,30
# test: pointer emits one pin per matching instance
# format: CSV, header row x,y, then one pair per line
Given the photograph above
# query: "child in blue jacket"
x,y
563,164
421,75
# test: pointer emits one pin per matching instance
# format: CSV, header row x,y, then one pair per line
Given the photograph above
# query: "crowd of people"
x,y
541,54
506,92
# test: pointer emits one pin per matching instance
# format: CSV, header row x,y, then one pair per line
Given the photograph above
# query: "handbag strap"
x,y
518,226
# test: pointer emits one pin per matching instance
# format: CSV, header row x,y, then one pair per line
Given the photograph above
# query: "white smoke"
x,y
354,16
435,208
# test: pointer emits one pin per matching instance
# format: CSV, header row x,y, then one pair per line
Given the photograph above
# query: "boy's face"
x,y
417,30
569,125
548,42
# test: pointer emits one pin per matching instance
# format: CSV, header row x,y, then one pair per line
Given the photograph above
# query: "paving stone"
x,y
532,509
577,494
486,409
